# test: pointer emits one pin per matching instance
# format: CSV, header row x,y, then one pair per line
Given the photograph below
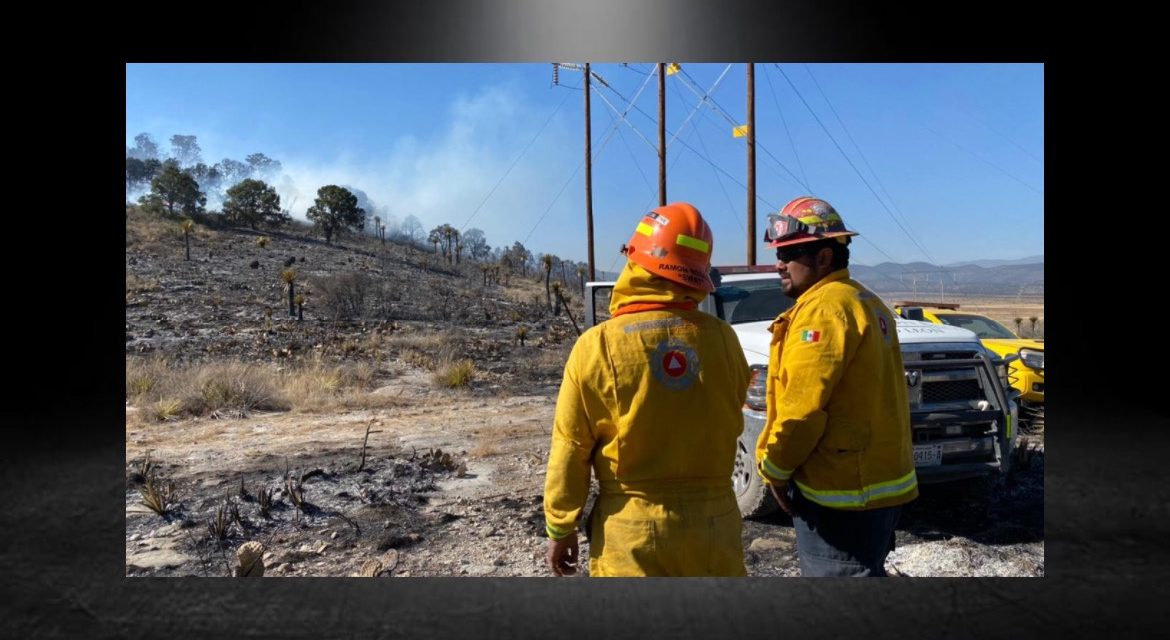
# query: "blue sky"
x,y
937,163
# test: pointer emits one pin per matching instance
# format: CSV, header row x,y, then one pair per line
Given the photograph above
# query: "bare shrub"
x,y
345,295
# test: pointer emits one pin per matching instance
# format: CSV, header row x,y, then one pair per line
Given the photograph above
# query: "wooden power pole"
x,y
588,177
751,164
661,134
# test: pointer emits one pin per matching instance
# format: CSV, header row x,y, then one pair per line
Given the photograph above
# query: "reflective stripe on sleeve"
x,y
556,533
862,497
769,470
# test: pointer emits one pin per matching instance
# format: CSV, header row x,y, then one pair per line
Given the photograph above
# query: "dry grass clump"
x,y
487,440
455,374
155,233
145,230
163,391
136,284
547,363
234,386
167,391
423,350
318,386
164,410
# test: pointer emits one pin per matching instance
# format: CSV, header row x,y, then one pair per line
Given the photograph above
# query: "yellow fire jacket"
x,y
652,401
838,417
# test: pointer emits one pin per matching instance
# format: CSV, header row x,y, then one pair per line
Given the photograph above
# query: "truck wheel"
x,y
754,498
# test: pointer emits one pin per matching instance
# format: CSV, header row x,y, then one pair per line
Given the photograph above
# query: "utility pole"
x,y
661,134
588,177
751,164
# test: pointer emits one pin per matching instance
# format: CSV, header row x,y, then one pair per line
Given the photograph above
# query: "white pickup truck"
x,y
962,409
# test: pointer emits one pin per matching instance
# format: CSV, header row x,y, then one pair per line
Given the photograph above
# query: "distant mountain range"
x,y
998,263
1024,276
1000,278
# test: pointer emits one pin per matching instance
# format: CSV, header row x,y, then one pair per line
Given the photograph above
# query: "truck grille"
x,y
951,391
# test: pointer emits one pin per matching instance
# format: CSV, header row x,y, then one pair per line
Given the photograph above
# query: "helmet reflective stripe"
x,y
657,242
860,498
694,243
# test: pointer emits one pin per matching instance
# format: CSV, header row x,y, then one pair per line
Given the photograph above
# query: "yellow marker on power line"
x,y
672,68
739,131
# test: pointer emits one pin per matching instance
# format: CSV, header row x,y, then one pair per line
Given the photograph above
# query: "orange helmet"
x,y
805,219
674,242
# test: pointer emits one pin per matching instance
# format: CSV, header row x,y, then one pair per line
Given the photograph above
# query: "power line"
x,y
854,167
636,165
996,131
759,145
864,159
514,161
787,132
984,161
718,180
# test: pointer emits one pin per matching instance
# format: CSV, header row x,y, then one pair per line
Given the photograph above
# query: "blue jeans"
x,y
833,542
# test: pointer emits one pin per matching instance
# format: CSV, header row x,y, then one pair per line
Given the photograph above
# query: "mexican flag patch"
x,y
809,335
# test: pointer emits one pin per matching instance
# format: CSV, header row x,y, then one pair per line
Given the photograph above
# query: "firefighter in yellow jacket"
x,y
836,448
652,401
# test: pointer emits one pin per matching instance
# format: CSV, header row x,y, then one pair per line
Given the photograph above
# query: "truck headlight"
x,y
1033,358
757,393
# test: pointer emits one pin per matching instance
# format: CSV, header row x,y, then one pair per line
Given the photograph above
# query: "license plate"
x,y
927,455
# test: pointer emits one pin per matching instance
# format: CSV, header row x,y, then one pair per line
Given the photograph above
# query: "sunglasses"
x,y
788,254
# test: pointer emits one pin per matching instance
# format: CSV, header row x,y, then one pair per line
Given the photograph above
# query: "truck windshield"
x,y
983,327
752,300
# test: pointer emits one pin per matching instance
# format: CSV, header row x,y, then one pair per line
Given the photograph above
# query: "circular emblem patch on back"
x,y
675,364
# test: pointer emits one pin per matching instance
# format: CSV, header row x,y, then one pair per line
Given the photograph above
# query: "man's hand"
x,y
780,490
562,555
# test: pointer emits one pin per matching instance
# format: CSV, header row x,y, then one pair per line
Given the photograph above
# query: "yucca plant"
x,y
155,496
547,262
264,501
220,523
289,277
186,226
300,301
